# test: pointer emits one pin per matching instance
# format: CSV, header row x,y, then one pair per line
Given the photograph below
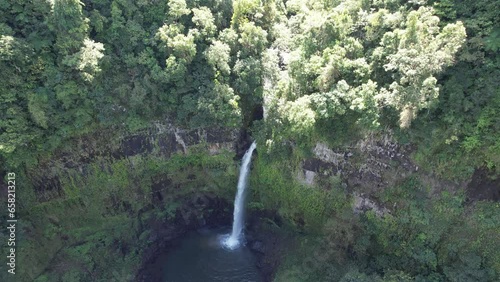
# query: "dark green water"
x,y
200,258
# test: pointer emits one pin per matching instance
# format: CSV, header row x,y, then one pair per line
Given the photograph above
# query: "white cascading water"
x,y
233,241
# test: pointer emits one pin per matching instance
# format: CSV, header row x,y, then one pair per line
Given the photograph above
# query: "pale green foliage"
x,y
167,31
179,45
204,20
295,6
117,19
253,38
326,71
183,46
343,97
87,59
177,8
228,36
380,21
332,103
218,56
330,70
7,47
270,61
283,36
299,115
364,101
414,55
342,61
244,9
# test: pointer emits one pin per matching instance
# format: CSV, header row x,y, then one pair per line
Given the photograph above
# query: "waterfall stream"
x,y
234,240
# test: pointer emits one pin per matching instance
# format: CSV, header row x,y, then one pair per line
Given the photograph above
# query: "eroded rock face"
x,y
154,202
161,140
363,204
374,162
370,165
306,177
322,152
217,139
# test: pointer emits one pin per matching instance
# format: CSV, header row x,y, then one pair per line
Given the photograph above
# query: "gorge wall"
x,y
121,195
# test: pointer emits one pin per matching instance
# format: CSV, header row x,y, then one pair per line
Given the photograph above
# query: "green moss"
x,y
97,216
275,188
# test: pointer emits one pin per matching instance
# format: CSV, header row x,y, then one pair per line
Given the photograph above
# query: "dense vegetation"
x,y
329,71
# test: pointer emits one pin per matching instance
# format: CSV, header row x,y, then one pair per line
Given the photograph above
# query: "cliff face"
x,y
127,196
117,195
377,162
370,200
367,167
160,141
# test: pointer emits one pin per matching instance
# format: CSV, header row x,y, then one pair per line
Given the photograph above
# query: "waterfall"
x,y
233,241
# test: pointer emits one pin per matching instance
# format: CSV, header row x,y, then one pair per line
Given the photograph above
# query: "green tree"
x,y
415,54
86,61
70,25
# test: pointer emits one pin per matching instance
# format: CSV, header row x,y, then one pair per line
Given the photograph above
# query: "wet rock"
x,y
134,145
483,186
